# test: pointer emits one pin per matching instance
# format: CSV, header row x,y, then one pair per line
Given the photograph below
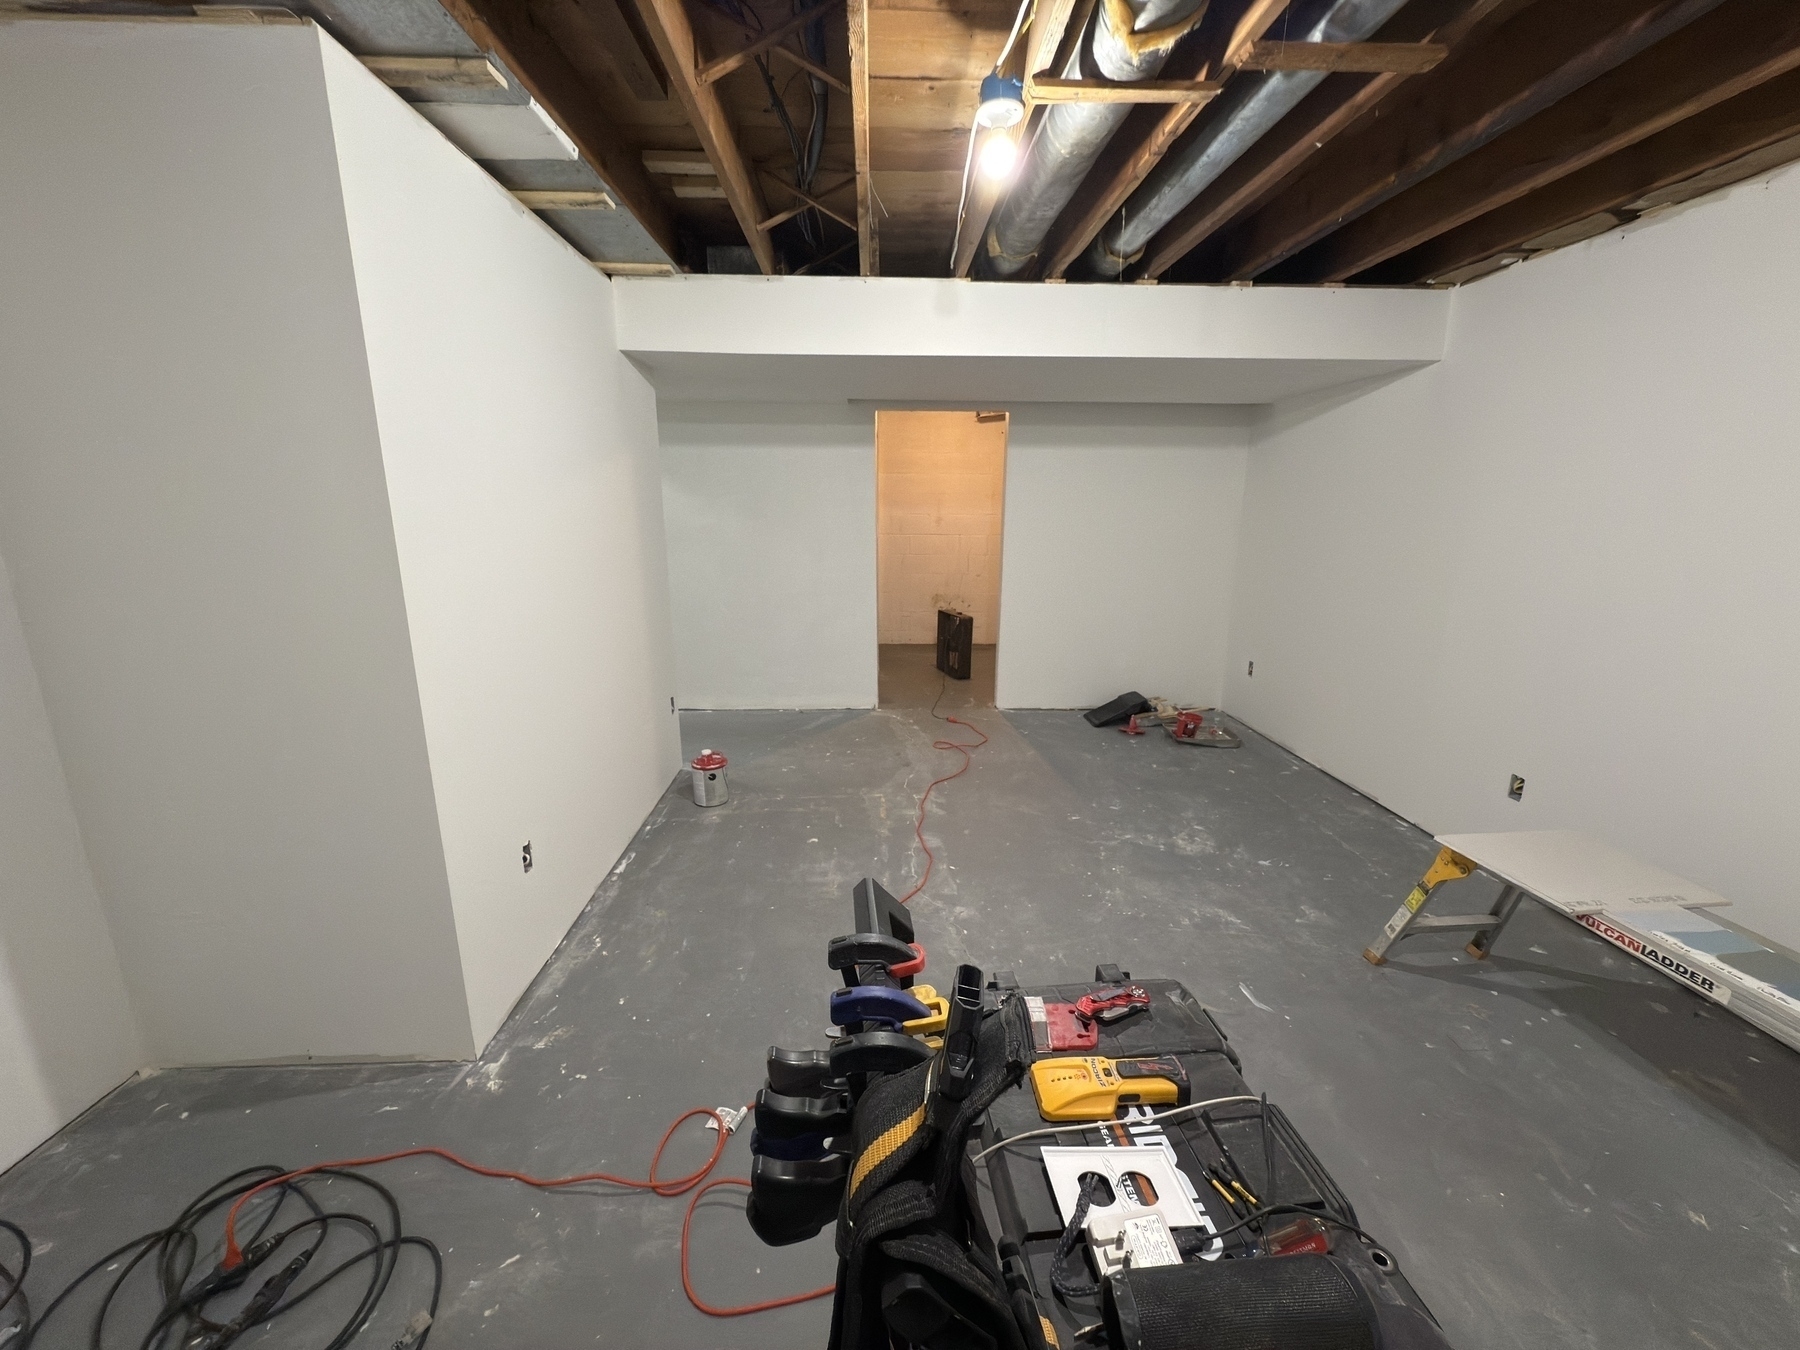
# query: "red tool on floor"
x,y
1187,726
1131,727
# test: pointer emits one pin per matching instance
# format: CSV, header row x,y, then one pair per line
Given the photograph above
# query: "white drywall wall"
x,y
193,508
989,345
940,486
67,1033
771,537
1121,533
1119,539
1569,552
522,473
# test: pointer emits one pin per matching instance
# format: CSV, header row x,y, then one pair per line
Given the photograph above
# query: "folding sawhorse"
x,y
1408,920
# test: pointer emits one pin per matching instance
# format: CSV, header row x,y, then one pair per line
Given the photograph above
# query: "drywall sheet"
x,y
1121,536
520,461
193,508
770,511
1566,552
67,1033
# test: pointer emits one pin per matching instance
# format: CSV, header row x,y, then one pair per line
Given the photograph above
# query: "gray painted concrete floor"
x,y
1563,1148
908,677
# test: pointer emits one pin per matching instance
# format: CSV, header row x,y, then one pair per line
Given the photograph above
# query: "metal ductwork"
x,y
1128,40
1248,108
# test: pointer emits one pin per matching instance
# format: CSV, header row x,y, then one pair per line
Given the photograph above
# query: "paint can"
x,y
709,778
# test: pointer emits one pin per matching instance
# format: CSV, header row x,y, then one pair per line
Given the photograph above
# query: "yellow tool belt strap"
x,y
882,1147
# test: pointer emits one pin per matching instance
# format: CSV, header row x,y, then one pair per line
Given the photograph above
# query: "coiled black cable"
x,y
199,1312
15,1283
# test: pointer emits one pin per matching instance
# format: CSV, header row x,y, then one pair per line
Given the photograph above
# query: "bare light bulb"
x,y
999,156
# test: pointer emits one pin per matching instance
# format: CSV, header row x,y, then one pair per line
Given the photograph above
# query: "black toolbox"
x,y
1249,1140
956,643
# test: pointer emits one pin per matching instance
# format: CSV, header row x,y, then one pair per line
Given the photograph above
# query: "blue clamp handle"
x,y
801,1148
865,1003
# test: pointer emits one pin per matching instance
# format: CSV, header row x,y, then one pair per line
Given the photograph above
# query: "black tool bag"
x,y
910,1264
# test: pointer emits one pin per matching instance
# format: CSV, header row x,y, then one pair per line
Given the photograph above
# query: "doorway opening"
x,y
940,488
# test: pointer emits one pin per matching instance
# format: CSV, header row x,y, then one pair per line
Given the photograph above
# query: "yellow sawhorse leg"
x,y
1449,865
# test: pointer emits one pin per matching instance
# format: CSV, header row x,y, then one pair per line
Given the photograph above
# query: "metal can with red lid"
x,y
709,778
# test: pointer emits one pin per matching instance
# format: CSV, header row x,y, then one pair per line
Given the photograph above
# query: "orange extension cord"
x,y
963,748
694,1181
671,1186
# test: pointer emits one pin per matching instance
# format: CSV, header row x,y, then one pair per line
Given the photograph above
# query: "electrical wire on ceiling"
x,y
807,150
962,203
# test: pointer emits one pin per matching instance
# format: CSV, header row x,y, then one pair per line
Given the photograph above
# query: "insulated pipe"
x,y
1130,40
1248,108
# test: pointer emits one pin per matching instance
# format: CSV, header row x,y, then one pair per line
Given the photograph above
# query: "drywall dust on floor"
x,y
1561,1146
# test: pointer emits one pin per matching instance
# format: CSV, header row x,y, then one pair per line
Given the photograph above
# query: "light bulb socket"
x,y
1002,103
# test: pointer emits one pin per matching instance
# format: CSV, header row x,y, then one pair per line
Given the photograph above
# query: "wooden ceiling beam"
x,y
781,217
794,58
620,47
563,199
1128,159
506,31
786,53
1049,39
1075,230
1098,202
807,199
673,33
868,240
1740,45
1044,39
1258,16
1753,121
718,69
1539,56
435,72
1335,105
1056,90
1366,58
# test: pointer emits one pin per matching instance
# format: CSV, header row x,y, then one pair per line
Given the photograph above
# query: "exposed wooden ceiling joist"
x,y
1765,116
1463,134
868,246
563,199
1740,45
673,33
1331,108
1051,89
1055,27
808,199
1365,58
1143,142
506,30
435,72
1522,67
623,49
1259,16
720,67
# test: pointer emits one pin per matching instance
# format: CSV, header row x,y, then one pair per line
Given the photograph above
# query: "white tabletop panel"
x,y
1578,874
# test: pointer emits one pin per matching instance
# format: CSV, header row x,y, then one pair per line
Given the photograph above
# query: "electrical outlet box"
x,y
1516,788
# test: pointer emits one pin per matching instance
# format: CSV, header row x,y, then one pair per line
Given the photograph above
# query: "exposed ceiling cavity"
x,y
1253,142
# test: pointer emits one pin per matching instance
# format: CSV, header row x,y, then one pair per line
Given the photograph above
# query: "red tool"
x,y
1069,1030
1111,1004
1131,727
1187,726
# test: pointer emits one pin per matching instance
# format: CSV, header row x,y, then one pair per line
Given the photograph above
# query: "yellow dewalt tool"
x,y
1092,1087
